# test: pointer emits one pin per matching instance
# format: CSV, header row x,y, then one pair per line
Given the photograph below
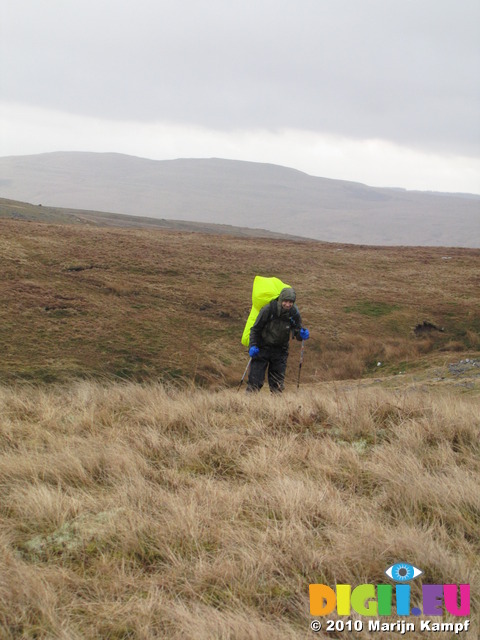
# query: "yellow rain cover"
x,y
264,290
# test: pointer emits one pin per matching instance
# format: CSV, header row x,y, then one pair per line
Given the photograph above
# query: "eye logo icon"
x,y
403,572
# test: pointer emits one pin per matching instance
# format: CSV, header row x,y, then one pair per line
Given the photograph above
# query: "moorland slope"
x,y
16,210
81,301
134,504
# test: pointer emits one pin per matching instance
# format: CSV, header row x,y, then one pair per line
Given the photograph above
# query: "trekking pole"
x,y
300,363
244,374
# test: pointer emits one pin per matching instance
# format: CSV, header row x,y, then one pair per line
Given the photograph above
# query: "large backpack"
x,y
263,291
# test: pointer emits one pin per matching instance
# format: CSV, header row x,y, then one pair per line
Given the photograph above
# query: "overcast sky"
x,y
384,92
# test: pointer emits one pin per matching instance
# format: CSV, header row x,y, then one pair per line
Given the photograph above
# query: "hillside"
x,y
82,301
143,498
243,194
14,210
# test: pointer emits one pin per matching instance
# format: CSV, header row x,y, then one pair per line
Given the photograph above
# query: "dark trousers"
x,y
275,360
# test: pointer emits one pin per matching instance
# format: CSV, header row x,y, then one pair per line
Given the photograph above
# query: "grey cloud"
x,y
400,70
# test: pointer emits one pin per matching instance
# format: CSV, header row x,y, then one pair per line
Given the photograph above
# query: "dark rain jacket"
x,y
274,326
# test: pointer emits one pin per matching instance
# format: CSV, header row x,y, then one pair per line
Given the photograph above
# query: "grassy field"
x,y
82,302
142,497
135,511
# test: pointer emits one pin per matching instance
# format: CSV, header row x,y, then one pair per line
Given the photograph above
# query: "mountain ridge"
x,y
244,194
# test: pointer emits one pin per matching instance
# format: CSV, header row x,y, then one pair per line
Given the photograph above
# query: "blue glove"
x,y
304,334
253,351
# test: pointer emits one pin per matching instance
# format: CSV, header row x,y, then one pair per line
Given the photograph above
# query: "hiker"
x,y
269,338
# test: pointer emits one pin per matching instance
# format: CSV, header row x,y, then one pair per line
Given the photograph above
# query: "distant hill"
x,y
14,210
243,194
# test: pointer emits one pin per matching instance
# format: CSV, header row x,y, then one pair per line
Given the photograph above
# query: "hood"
x,y
286,294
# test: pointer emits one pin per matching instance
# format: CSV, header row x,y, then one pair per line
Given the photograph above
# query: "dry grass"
x,y
80,302
143,511
150,510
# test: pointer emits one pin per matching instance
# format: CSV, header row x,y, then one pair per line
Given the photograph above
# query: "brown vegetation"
x,y
141,511
80,301
152,509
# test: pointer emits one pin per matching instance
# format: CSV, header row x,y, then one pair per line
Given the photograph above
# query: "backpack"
x,y
264,290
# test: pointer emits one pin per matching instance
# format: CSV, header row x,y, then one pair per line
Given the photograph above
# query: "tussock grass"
x,y
145,511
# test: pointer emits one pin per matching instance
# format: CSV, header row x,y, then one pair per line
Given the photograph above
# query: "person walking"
x,y
269,341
